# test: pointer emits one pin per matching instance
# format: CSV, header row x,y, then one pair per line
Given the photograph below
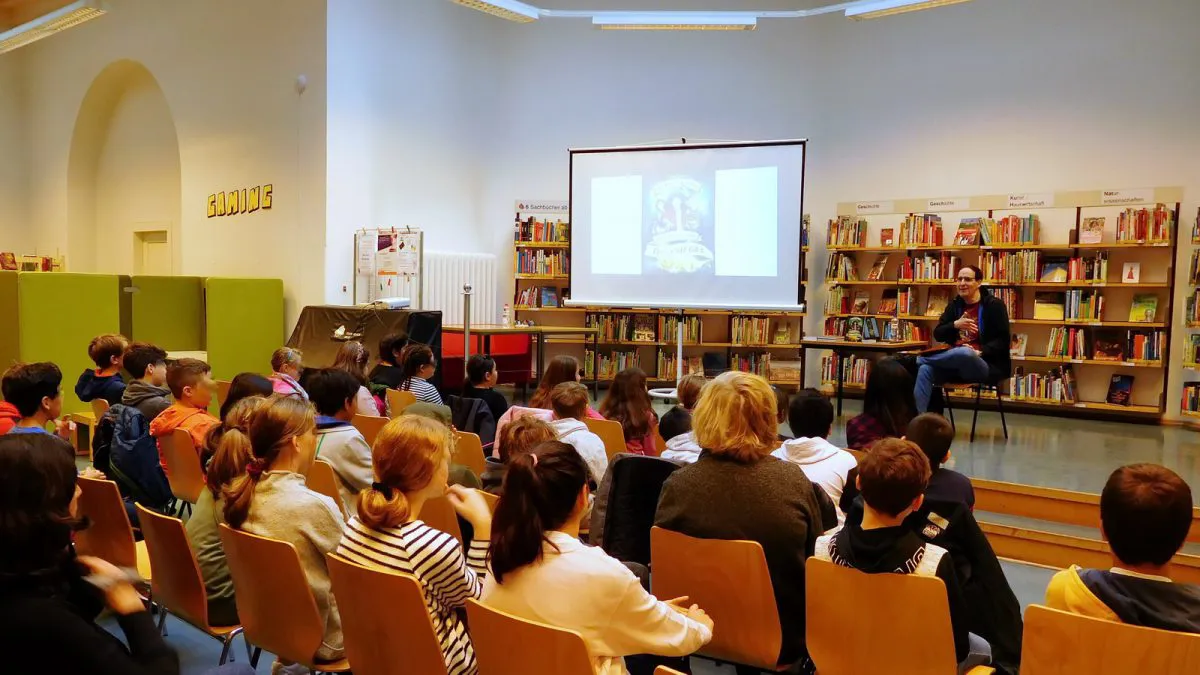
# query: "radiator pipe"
x,y
466,327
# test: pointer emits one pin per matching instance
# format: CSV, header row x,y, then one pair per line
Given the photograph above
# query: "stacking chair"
x,y
99,407
385,623
439,514
1059,643
663,670
178,587
322,478
183,468
509,645
491,499
468,451
610,432
369,426
399,400
223,391
908,632
978,389
275,602
109,536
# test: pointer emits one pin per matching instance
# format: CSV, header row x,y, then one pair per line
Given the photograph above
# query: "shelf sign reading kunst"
x,y
246,200
1030,201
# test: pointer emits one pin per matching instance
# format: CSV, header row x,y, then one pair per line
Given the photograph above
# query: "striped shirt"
x,y
436,560
425,392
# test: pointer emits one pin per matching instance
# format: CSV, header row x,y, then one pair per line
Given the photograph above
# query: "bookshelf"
x,y
1080,273
1189,405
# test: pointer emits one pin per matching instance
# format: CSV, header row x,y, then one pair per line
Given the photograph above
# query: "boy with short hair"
x,y
387,371
35,390
334,392
810,415
892,480
147,392
105,382
1145,513
933,434
569,401
676,424
191,383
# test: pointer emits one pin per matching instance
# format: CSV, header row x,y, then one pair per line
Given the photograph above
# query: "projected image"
x,y
678,227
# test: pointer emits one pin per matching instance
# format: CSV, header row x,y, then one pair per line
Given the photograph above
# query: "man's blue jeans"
x,y
960,364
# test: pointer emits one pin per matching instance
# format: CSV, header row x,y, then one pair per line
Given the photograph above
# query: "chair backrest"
x,y
509,645
468,451
275,603
385,623
491,499
730,581
399,400
633,487
110,536
439,514
177,583
908,631
610,432
99,407
183,465
369,426
223,391
1059,643
321,478
663,670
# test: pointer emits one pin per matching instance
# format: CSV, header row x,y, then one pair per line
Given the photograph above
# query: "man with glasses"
x,y
975,325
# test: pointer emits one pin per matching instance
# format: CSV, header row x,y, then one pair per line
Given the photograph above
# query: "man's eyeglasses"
x,y
966,279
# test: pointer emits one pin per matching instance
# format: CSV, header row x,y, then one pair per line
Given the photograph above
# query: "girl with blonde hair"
x,y
286,365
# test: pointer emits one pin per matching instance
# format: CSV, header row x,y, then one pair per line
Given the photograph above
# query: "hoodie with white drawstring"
x,y
682,448
823,462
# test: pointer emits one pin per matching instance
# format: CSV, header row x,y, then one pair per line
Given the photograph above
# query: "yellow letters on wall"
x,y
245,200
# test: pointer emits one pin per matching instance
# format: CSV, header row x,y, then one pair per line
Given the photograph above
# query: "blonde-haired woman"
x,y
411,458
286,364
764,499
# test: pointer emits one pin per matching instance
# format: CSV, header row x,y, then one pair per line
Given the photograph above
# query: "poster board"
x,y
389,263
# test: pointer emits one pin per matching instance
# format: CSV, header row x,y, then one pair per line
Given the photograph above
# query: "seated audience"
x,y
562,368
810,416
147,392
190,382
542,572
1145,513
781,411
244,385
272,500
933,434
570,402
105,381
417,365
333,393
887,406
892,480
353,357
35,390
286,366
412,461
481,378
628,402
517,438
387,372
676,424
776,505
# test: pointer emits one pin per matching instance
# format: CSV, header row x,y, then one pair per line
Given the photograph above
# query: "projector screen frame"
x,y
685,145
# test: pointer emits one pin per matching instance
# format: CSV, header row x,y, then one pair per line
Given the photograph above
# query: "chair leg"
x,y
226,644
975,417
1000,406
162,620
253,655
949,408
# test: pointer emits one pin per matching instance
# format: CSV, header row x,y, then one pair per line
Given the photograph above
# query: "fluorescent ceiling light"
x,y
675,21
505,9
879,8
48,24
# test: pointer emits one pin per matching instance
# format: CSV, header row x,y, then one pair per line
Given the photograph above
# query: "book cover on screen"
x,y
1108,345
939,299
1054,270
968,232
1144,307
876,273
1120,390
862,303
887,305
1048,306
1017,344
1131,273
679,226
1091,231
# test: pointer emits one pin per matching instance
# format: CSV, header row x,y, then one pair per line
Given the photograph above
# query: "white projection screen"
x,y
688,226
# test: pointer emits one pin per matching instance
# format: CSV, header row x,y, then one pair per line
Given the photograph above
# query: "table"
x,y
314,332
539,333
842,347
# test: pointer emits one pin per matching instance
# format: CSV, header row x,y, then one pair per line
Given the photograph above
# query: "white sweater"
x,y
581,588
823,462
587,444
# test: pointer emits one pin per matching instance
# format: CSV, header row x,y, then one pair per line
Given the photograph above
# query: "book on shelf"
x,y
887,236
1192,316
668,329
549,297
867,327
1014,229
805,224
841,267
930,267
906,331
1048,306
1011,297
906,301
609,364
1067,342
1091,268
1010,266
1091,231
876,273
749,330
538,296
1196,228
1143,308
1120,390
643,328
854,369
887,305
1084,305
1145,345
541,231
837,301
968,232
862,303
758,363
1145,225
1191,397
987,230
541,262
846,231
921,230
1194,269
1017,344
1055,386
939,299
1107,345
1131,273
8,261
1054,271
667,365
1192,355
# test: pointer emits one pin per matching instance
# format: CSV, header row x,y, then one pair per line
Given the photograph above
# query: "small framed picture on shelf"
x,y
1131,273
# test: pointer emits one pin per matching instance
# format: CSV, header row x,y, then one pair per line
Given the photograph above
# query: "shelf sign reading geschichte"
x,y
1027,200
866,208
948,204
246,200
1119,197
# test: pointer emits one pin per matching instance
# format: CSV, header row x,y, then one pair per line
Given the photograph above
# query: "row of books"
x,y
930,267
623,327
1067,342
1193,308
534,230
921,230
1194,268
1073,342
750,330
1191,397
846,231
1008,230
1145,225
667,363
758,363
668,329
1011,297
1192,349
551,263
609,364
539,296
866,326
841,267
854,369
1057,386
1011,266
1093,268
1081,304
903,301
907,331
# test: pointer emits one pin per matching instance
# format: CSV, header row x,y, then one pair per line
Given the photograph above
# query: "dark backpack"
x,y
626,502
133,457
473,415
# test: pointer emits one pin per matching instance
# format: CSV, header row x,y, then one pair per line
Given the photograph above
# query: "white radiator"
x,y
445,275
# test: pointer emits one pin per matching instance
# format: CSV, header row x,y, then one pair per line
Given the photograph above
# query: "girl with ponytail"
x,y
417,365
271,500
411,459
540,571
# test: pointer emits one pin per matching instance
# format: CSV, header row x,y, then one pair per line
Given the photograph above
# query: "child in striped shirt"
x,y
418,365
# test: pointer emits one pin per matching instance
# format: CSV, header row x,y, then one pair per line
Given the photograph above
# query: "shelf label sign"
x,y
542,206
949,204
867,208
1121,197
1026,200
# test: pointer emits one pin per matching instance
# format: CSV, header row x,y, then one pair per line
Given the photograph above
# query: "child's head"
x,y
810,414
353,358
145,361
230,452
933,435
243,385
519,436
735,417
893,476
1145,513
411,458
281,435
39,500
416,360
34,388
190,382
688,390
106,350
481,371
569,400
333,392
287,361
390,346
671,426
562,368
888,396
628,402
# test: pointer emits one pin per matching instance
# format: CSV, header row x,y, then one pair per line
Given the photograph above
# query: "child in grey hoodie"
x,y
148,391
333,392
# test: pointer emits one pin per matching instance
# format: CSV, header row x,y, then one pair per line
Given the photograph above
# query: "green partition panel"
x,y
244,323
167,311
59,314
10,341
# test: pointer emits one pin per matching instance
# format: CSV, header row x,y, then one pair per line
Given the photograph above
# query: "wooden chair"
x,y
183,468
223,391
610,432
468,451
509,645
275,602
491,499
440,515
397,401
1059,643
109,536
385,624
663,670
322,478
730,581
99,407
660,444
178,588
908,632
369,426
83,432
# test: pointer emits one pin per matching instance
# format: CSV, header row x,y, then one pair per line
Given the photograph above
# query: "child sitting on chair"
x,y
334,394
286,366
933,434
105,381
35,390
569,401
191,383
147,392
810,416
628,402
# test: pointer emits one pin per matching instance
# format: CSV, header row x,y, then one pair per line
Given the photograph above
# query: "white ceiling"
x,y
681,5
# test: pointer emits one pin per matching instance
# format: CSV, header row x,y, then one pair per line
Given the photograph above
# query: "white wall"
x,y
14,233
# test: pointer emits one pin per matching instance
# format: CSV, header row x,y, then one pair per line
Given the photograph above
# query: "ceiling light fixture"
x,y
881,8
675,20
48,24
505,9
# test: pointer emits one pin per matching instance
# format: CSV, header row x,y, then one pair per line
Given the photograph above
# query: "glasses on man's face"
x,y
966,280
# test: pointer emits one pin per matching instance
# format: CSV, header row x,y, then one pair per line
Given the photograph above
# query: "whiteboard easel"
x,y
389,262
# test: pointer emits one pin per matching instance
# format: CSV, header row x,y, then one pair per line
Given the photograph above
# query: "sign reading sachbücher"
x,y
246,200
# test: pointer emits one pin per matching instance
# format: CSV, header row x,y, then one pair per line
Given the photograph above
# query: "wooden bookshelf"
x,y
1189,403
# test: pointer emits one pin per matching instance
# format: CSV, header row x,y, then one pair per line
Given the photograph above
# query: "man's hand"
x,y
965,323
